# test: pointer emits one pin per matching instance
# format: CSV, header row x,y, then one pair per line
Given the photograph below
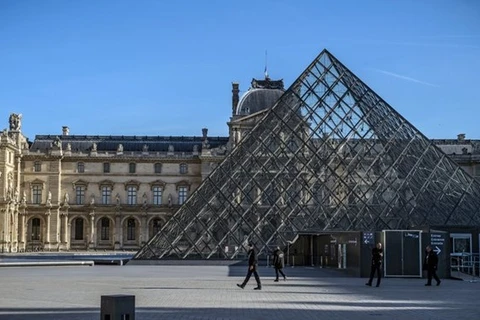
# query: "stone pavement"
x,y
209,292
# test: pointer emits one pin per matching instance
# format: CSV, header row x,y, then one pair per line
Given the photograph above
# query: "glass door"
x,y
461,252
460,243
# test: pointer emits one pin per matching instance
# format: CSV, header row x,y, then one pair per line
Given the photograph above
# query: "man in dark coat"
x,y
278,263
377,257
430,265
252,268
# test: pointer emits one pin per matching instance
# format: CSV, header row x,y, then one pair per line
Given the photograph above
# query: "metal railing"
x,y
465,264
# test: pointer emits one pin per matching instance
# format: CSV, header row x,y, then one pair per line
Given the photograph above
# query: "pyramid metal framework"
x,y
330,155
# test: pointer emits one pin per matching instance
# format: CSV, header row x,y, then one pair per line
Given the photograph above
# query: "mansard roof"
x,y
84,143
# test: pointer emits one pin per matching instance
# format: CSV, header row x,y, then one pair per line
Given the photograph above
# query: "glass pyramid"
x,y
330,155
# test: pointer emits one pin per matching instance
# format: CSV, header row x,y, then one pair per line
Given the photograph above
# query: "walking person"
x,y
278,263
377,257
430,265
252,268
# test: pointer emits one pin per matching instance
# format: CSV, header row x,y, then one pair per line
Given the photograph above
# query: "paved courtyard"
x,y
209,292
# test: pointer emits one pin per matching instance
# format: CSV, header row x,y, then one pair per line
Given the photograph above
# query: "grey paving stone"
x,y
210,292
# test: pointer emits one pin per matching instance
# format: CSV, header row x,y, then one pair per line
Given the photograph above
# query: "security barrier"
x,y
117,307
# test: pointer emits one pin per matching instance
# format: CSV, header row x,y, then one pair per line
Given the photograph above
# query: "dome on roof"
x,y
255,100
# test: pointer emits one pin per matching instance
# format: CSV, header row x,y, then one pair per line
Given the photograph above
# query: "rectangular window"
x,y
36,194
183,168
182,195
80,194
157,195
37,166
131,195
132,167
157,167
106,167
106,195
80,167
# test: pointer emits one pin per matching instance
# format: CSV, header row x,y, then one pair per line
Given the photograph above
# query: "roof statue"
x,y
15,121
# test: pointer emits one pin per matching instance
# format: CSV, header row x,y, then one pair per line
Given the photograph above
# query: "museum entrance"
x,y
402,253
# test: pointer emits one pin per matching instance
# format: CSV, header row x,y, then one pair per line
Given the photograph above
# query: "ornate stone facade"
x,y
95,192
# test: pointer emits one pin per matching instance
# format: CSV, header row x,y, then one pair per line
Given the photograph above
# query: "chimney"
x,y
461,137
235,97
65,131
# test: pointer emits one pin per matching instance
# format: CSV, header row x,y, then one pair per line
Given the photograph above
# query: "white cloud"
x,y
405,77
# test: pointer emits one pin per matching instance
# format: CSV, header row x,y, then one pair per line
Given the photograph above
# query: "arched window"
x,y
156,226
79,229
35,229
105,229
131,229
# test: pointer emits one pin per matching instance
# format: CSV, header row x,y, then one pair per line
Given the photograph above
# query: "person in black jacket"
x,y
430,264
278,263
377,257
252,268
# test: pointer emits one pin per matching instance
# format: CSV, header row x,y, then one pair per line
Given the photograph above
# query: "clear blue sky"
x,y
165,67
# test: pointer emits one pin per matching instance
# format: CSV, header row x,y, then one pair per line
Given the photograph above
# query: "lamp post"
x,y
288,251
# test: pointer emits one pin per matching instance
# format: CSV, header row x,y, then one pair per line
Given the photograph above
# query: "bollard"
x,y
268,260
293,261
117,307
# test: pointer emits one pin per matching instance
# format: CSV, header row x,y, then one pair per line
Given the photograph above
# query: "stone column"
x,y
143,237
92,230
118,232
69,226
64,216
47,235
65,229
23,227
